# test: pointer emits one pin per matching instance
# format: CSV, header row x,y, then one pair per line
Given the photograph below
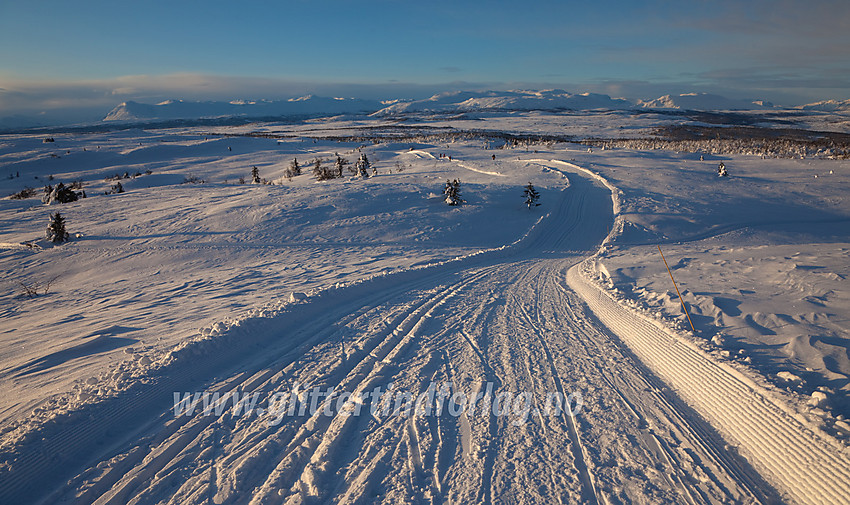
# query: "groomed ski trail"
x,y
506,320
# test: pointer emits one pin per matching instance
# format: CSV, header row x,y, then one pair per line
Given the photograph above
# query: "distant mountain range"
x,y
178,109
469,101
442,103
449,102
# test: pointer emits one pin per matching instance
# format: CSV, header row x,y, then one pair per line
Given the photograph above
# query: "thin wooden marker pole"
x,y
677,291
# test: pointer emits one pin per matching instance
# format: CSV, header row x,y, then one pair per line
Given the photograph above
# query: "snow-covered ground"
x,y
166,257
178,285
760,258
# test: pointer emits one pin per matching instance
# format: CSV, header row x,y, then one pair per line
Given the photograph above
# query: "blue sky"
x,y
90,54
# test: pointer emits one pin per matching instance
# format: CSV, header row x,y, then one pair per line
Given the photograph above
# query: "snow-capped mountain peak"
x,y
703,101
829,106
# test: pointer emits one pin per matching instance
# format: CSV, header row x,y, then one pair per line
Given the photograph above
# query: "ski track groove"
x,y
580,457
382,357
80,433
641,419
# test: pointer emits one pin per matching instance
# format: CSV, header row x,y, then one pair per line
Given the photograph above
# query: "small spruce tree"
x,y
255,175
340,165
452,192
363,165
531,196
56,229
295,168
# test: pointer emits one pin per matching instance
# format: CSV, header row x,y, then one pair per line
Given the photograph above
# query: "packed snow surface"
x,y
191,283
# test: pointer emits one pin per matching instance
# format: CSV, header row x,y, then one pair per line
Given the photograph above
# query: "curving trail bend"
x,y
508,322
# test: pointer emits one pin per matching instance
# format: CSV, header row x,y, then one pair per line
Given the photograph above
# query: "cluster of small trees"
x,y
127,175
324,170
360,168
116,188
59,193
62,194
24,193
446,135
767,148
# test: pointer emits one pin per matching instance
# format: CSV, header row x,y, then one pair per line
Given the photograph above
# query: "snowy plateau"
x,y
219,328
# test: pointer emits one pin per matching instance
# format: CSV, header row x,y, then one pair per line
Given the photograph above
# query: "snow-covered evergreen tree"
x,y
292,170
452,192
56,229
339,165
363,165
721,170
255,175
531,196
